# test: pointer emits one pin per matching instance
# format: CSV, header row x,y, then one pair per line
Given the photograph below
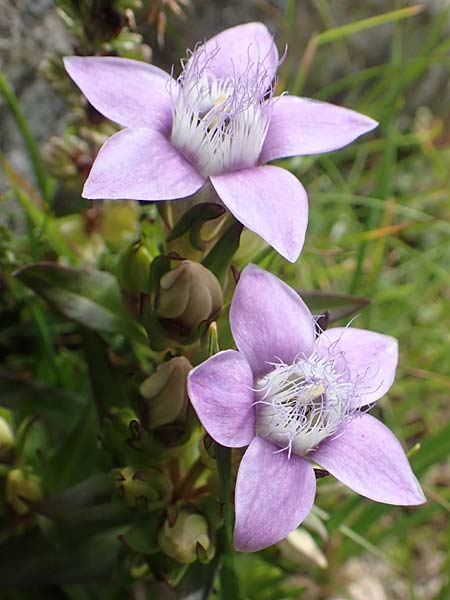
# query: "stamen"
x,y
300,405
220,124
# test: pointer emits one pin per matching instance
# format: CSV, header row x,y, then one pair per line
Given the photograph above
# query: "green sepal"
x,y
193,220
219,258
338,306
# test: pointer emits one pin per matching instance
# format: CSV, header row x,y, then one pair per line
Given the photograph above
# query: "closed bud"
x,y
187,539
119,223
299,547
188,296
141,486
165,393
87,245
134,269
22,487
6,437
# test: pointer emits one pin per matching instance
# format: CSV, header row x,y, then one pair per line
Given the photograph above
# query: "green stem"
x,y
228,577
43,181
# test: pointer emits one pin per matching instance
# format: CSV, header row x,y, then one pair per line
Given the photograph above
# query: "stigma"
x,y
300,405
220,124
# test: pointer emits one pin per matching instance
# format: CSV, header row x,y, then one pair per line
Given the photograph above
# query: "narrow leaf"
x,y
91,298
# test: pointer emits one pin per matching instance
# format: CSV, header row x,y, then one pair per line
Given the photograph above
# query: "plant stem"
x,y
228,578
43,181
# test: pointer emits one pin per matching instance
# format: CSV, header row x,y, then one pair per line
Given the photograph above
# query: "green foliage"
x,y
79,332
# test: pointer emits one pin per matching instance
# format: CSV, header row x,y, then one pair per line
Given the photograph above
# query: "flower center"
x,y
219,124
300,405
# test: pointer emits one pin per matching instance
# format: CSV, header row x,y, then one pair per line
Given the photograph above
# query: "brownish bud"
x,y
188,296
165,393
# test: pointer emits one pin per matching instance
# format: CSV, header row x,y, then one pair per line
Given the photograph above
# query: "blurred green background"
x,y
379,229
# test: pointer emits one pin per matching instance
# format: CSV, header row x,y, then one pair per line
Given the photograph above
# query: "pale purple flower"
x,y
219,120
295,399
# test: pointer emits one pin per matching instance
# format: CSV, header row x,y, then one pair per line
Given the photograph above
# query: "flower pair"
x,y
219,121
294,398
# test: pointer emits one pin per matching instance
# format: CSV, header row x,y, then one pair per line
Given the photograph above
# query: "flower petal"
x,y
271,202
221,391
241,50
140,164
301,126
274,493
129,92
369,359
269,321
369,459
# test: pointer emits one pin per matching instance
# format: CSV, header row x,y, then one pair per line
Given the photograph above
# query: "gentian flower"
x,y
297,399
219,121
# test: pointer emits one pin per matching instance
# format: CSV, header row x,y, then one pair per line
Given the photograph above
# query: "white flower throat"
x,y
300,405
220,124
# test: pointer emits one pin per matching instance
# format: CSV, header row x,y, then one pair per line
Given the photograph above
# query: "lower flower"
x,y
297,400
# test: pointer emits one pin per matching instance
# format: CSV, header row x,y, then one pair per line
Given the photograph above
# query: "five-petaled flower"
x,y
297,399
219,120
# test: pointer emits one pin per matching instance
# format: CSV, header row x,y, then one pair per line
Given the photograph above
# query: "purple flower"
x,y
219,120
297,400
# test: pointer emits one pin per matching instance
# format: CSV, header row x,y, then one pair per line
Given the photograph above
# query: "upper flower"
x,y
218,120
295,398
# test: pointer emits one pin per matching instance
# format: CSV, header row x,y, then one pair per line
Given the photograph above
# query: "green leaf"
x,y
37,563
338,306
107,389
91,298
77,457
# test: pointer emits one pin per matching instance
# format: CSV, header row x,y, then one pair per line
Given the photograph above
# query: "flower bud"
x,y
6,437
22,486
188,296
165,393
87,245
134,269
299,547
119,223
141,486
187,539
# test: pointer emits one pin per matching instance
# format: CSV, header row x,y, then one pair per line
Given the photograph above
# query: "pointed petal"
x,y
129,92
140,164
274,494
271,202
220,390
269,321
369,459
369,359
300,126
239,50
